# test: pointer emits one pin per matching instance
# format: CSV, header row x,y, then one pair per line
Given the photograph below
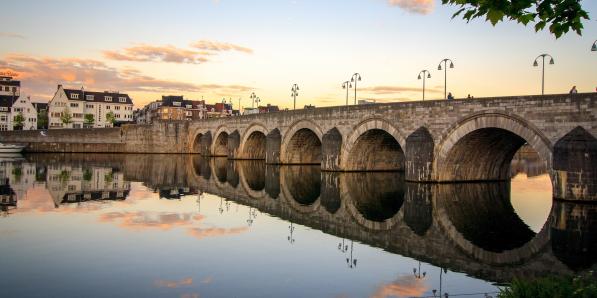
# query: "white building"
x,y
11,107
96,105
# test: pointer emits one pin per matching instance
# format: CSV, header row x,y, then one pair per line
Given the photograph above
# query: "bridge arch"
x,y
374,145
302,144
481,148
201,142
219,147
253,144
301,187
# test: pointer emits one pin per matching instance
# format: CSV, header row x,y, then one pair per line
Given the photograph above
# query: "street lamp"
x,y
252,97
346,85
439,67
594,47
294,89
419,274
424,71
535,64
355,77
257,101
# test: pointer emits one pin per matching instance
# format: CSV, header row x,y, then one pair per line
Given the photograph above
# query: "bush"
x,y
556,287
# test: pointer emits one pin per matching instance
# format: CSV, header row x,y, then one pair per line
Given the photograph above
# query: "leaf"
x,y
494,16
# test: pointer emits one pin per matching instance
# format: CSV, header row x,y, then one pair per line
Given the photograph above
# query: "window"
x,y
189,106
89,106
122,99
177,104
74,96
6,89
3,118
74,105
107,107
117,107
89,97
108,98
4,109
3,127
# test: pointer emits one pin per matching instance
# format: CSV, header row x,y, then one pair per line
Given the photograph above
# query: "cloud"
x,y
201,233
172,284
150,220
217,46
397,89
149,53
11,35
40,75
414,6
403,286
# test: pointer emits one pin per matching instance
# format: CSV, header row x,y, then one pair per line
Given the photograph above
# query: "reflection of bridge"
x,y
433,141
465,227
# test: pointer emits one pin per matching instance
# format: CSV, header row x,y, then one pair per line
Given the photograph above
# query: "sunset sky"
x,y
214,49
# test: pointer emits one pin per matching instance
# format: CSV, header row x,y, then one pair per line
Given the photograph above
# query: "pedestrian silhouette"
x,y
450,96
573,90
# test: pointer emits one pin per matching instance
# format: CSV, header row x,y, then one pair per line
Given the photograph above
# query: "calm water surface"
x,y
183,226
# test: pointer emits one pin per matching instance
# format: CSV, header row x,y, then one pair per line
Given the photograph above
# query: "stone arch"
x,y
481,148
302,144
331,150
419,155
219,147
374,145
575,166
253,143
196,142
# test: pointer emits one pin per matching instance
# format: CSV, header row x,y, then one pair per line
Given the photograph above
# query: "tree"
x,y
18,121
89,120
560,16
42,119
110,118
65,116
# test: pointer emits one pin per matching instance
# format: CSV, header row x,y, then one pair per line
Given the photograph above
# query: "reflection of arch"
x,y
330,191
253,142
220,145
373,145
304,183
252,177
373,199
481,148
201,167
232,176
219,166
418,210
272,180
419,155
302,144
467,199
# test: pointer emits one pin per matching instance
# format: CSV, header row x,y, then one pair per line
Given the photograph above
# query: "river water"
x,y
82,225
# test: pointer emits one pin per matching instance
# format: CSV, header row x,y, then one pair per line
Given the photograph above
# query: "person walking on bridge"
x,y
573,90
450,96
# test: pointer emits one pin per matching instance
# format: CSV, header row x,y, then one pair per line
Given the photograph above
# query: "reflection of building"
x,y
175,193
527,161
20,175
8,198
68,184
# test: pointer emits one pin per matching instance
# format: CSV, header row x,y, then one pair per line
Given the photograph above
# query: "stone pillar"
x,y
575,166
419,155
206,140
331,145
273,141
233,144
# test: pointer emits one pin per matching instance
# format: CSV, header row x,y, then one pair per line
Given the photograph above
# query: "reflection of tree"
x,y
17,172
64,176
87,174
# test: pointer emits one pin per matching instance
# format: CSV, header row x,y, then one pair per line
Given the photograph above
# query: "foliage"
x,y
110,118
89,119
580,286
42,119
109,177
64,176
66,116
87,175
19,120
560,15
18,172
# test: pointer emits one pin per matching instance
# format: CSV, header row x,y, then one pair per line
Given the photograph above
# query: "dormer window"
x,y
122,99
89,97
74,96
108,98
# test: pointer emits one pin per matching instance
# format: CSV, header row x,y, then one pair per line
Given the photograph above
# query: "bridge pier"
x,y
233,144
575,166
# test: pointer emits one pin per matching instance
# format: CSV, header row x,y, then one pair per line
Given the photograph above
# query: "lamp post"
x,y
594,47
418,274
439,67
257,101
346,85
239,108
424,71
252,97
355,77
535,64
291,230
294,89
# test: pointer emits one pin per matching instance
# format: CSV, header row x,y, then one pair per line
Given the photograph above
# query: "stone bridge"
x,y
465,227
431,141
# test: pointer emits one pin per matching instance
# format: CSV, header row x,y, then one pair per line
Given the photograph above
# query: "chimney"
x,y
59,86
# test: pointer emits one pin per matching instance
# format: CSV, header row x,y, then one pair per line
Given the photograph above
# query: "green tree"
x,y
89,119
18,121
560,16
110,118
42,119
66,116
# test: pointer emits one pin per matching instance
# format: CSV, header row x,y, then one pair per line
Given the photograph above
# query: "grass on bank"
x,y
584,286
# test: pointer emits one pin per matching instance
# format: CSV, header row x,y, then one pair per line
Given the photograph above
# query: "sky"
x,y
228,49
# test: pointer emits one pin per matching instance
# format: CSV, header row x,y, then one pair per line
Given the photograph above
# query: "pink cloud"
x,y
415,6
217,46
149,53
172,284
201,233
404,286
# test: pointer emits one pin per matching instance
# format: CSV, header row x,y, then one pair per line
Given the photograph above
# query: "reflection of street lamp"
x,y
346,85
535,64
441,270
428,76
417,274
439,67
252,215
199,197
295,89
350,261
220,208
290,237
355,77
